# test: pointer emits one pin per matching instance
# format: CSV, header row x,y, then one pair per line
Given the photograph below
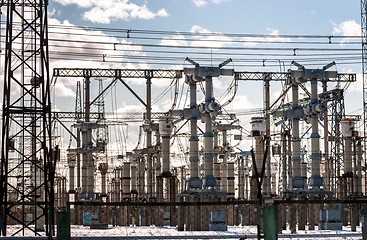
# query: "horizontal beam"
x,y
116,73
284,76
161,73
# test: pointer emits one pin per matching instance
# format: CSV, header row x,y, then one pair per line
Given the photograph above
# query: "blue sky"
x,y
219,19
227,16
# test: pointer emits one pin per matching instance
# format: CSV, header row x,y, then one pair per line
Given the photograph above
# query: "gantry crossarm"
x,y
260,76
283,76
116,73
163,73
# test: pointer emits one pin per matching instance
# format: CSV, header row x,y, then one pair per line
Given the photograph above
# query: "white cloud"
x,y
201,37
112,10
176,40
200,3
83,50
80,3
273,35
208,38
347,28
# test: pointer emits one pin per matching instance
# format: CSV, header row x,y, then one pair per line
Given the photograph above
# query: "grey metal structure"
x,y
119,75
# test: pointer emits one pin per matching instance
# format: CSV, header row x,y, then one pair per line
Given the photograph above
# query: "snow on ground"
x,y
237,232
79,232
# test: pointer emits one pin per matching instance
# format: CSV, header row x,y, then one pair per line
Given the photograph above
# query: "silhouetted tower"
x,y
364,70
102,131
27,160
78,102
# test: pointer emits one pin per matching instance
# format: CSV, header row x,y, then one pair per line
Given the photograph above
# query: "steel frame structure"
x,y
364,75
27,160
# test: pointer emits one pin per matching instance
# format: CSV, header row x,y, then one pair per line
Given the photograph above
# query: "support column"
x,y
87,145
225,174
209,180
103,168
297,181
71,162
141,178
267,182
165,130
316,179
241,177
194,182
148,121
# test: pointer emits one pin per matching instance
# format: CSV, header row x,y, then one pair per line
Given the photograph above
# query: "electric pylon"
x,y
27,160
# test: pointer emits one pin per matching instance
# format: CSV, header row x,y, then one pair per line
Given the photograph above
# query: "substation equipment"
x,y
28,160
217,181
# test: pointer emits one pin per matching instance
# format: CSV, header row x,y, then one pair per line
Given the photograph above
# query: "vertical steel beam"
x,y
27,163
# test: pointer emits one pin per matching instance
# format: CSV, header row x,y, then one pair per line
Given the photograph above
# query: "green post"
x,y
270,222
63,224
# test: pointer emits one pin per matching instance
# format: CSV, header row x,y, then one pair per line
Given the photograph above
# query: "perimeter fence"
x,y
214,217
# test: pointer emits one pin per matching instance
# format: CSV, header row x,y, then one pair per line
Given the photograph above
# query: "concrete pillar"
x,y
241,178
297,181
126,180
225,174
217,173
71,163
230,180
316,179
103,168
134,188
165,130
209,180
141,178
194,182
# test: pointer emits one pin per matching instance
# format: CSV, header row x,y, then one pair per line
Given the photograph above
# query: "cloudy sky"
x,y
261,35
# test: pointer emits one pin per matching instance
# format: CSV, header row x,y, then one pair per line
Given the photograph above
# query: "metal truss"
x,y
159,73
27,164
116,73
284,76
364,71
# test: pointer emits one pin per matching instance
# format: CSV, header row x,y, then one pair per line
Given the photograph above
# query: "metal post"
x,y
267,185
63,224
270,222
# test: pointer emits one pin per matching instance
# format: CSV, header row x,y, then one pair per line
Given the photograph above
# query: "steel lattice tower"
x,y
27,159
364,68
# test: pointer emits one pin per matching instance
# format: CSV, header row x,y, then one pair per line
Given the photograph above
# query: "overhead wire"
x,y
186,33
161,54
150,48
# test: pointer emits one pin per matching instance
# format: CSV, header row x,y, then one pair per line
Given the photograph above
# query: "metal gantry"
x,y
337,107
118,75
284,76
27,159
